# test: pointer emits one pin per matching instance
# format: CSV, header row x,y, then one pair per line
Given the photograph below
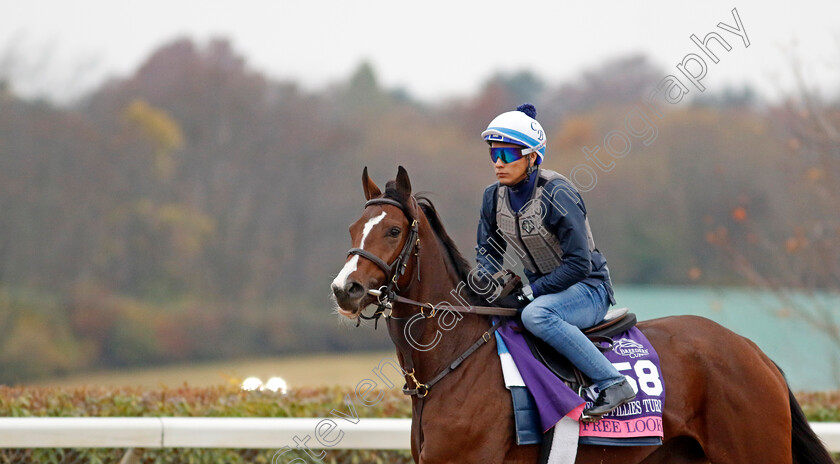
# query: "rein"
x,y
387,299
387,295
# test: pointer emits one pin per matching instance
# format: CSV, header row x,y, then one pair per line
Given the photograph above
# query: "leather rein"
x,y
387,295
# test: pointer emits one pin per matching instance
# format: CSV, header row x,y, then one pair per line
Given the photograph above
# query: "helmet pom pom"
x,y
528,109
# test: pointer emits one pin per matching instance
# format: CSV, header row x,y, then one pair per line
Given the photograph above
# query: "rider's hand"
x,y
507,281
515,300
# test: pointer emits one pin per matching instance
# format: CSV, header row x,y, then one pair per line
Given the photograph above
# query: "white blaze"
x,y
350,267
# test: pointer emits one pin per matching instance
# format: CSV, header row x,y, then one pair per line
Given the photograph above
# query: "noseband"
x,y
397,268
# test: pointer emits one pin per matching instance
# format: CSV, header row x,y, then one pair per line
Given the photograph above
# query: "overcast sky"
x,y
433,49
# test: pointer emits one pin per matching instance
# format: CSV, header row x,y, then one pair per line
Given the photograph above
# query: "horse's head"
x,y
383,240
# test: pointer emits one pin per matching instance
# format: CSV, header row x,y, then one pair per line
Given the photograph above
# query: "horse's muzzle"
x,y
349,297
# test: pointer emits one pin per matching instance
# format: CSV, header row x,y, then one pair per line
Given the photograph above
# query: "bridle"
x,y
387,295
388,292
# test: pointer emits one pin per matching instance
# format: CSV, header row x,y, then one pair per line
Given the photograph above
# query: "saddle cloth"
x,y
636,423
639,422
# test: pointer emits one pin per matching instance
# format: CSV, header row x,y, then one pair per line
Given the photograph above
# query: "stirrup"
x,y
591,419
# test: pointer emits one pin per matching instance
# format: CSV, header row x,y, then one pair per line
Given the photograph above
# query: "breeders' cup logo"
x,y
629,348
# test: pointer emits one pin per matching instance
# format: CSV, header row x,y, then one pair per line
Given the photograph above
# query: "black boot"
x,y
611,398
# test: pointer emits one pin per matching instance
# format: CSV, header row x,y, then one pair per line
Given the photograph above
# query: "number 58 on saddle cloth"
x,y
637,423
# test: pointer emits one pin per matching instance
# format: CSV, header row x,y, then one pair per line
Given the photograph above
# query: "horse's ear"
x,y
403,184
371,190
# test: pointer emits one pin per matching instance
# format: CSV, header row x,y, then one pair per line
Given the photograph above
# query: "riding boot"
x,y
611,398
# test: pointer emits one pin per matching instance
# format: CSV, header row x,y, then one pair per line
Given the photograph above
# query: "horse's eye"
x,y
394,232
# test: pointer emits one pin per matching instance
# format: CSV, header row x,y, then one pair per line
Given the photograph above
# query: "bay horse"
x,y
726,402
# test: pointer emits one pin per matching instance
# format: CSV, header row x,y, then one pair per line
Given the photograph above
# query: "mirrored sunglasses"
x,y
507,154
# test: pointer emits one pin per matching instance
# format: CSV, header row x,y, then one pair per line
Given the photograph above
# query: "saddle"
x,y
616,321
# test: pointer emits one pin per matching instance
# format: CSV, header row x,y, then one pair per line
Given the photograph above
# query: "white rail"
x,y
829,432
213,432
201,432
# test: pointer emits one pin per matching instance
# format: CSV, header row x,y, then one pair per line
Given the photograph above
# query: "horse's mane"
x,y
456,259
461,265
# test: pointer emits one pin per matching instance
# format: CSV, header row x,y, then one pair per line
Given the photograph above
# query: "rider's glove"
x,y
515,300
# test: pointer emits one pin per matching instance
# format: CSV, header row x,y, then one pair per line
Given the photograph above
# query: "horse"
x,y
727,402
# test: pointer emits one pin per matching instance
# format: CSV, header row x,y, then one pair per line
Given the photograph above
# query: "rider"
x,y
542,216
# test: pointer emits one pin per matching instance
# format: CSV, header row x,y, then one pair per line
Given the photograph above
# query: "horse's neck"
x,y
439,283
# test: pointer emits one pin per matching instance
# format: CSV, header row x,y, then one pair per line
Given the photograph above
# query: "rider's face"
x,y
514,172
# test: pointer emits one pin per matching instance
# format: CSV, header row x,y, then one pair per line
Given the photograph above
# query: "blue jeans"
x,y
558,318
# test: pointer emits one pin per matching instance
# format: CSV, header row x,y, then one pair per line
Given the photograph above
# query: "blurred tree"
x,y
522,86
36,338
800,262
621,81
201,209
474,115
361,99
731,97
162,131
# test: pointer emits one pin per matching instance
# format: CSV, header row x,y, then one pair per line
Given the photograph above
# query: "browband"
x,y
389,201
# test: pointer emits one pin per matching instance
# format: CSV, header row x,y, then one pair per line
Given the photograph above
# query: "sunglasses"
x,y
507,154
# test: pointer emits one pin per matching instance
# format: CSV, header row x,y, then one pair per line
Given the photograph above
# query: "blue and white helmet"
x,y
518,127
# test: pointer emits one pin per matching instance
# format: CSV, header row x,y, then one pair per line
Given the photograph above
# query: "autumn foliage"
x,y
198,209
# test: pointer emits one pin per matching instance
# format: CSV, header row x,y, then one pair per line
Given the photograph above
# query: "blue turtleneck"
x,y
521,192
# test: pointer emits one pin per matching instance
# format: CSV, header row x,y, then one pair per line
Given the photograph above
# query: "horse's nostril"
x,y
354,290
337,291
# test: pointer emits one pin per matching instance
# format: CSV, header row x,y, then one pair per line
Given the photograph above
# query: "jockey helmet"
x,y
519,127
